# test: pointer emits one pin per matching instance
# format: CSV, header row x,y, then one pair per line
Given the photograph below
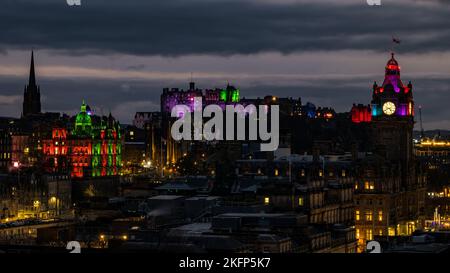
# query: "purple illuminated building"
x,y
392,97
172,97
173,150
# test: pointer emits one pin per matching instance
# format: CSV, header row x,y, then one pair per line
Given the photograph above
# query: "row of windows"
x,y
57,143
301,201
368,215
5,155
431,153
319,243
302,173
368,233
369,202
368,185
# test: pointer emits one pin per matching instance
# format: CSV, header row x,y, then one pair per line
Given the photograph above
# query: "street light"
x,y
147,164
16,165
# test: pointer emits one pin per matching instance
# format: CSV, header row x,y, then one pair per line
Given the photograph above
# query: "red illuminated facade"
x,y
55,150
361,113
91,149
80,157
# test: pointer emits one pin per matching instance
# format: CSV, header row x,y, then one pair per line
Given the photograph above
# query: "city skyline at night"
x,y
244,128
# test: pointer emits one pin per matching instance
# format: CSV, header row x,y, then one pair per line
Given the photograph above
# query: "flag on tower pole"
x,y
395,41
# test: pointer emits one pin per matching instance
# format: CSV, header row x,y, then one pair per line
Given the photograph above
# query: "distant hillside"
x,y
432,133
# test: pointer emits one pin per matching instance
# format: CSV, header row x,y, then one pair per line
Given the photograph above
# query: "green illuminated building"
x,y
95,145
230,94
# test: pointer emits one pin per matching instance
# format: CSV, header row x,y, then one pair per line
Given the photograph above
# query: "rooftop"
x,y
261,214
166,197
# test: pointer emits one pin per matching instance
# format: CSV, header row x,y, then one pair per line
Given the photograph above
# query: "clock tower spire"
x,y
392,98
393,119
390,183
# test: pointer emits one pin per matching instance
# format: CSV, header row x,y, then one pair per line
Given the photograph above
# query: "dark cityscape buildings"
x,y
336,181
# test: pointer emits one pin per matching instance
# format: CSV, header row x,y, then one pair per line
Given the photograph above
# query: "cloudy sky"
x,y
118,55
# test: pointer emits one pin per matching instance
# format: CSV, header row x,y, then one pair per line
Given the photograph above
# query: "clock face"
x,y
389,108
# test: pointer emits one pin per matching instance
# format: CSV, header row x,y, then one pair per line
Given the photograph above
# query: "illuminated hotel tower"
x,y
393,120
390,190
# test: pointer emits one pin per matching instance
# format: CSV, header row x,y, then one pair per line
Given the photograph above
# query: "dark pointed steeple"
x,y
32,94
32,79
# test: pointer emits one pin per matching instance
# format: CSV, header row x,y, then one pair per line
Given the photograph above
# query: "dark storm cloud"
x,y
180,27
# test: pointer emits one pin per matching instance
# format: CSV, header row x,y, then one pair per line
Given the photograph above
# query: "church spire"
x,y
32,80
32,94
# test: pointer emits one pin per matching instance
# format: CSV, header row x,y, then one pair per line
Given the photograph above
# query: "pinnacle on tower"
x,y
32,79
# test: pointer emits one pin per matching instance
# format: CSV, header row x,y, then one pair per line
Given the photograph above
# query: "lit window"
x,y
266,200
343,173
276,172
380,232
369,215
369,234
369,185
303,173
357,233
320,173
300,201
356,186
357,215
391,231
131,133
380,215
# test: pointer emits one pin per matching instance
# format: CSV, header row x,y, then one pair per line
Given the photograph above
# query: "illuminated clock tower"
x,y
393,120
390,187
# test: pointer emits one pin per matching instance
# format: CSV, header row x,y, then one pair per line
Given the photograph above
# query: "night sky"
x,y
118,55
